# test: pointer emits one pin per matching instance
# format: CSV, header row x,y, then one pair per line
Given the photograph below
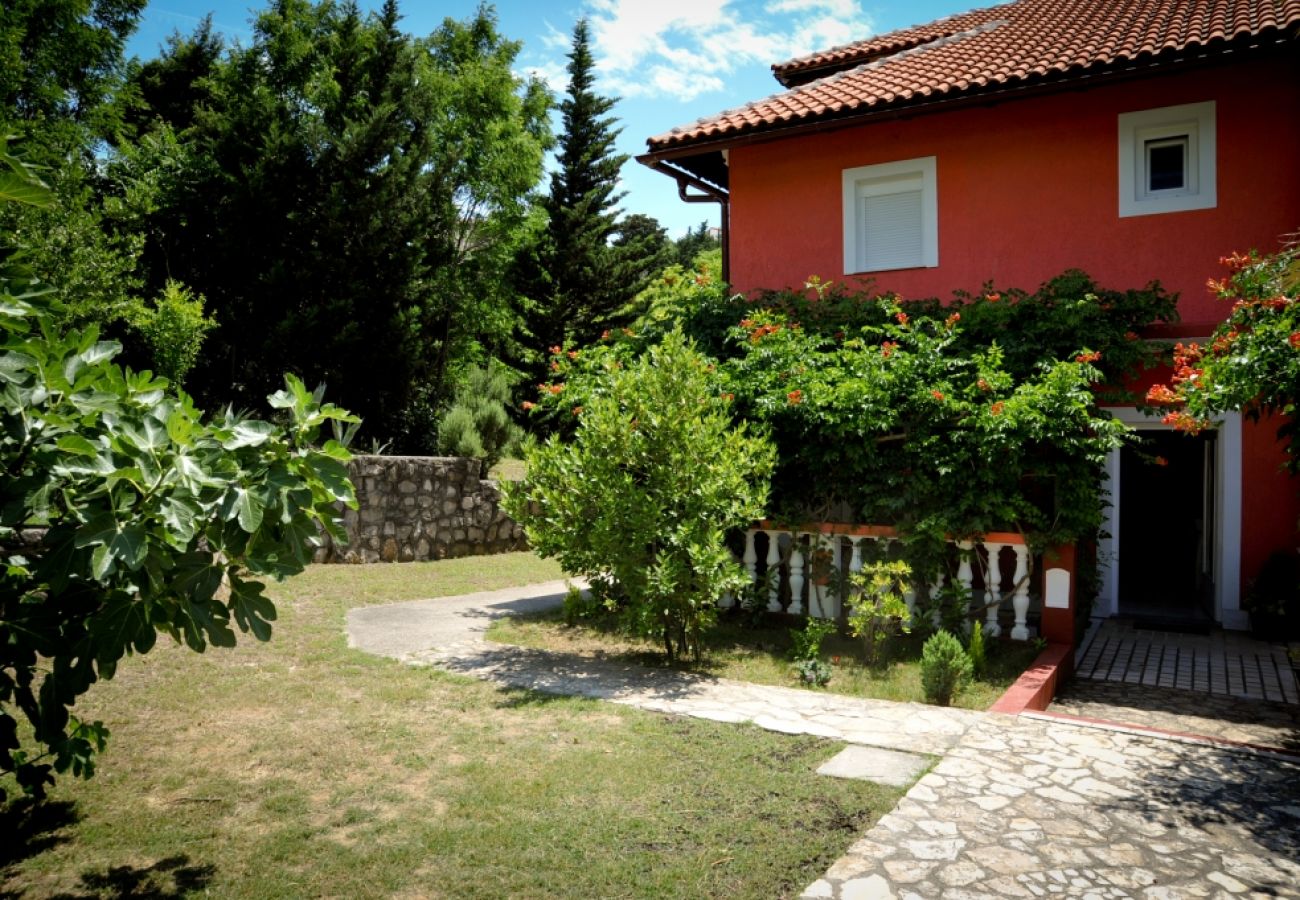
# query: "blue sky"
x,y
670,61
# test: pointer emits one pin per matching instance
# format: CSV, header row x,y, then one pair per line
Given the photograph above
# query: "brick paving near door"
x,y
1225,663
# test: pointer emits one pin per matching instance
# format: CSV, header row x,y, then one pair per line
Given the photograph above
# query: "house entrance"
x,y
1166,529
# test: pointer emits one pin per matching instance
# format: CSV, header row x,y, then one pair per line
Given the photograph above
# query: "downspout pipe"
x,y
707,193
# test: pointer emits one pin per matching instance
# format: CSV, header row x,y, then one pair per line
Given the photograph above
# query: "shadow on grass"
x,y
30,828
167,878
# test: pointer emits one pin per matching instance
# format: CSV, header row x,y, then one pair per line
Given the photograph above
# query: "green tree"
x,y
124,512
477,425
347,200
642,496
586,268
695,241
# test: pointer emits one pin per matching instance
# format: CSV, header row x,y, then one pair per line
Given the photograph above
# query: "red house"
x,y
1133,139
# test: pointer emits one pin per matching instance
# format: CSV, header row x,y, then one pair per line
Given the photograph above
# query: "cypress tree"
x,y
579,279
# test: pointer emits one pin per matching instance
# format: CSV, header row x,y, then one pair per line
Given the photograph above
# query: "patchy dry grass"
x,y
301,768
762,655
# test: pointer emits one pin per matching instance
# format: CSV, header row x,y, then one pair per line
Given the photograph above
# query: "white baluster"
x,y
796,575
965,577
855,556
818,569
993,583
936,616
773,571
1020,599
750,559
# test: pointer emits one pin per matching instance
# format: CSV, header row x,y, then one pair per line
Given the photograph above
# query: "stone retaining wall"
x,y
422,507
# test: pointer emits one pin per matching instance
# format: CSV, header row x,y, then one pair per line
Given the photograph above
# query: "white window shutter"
x,y
890,229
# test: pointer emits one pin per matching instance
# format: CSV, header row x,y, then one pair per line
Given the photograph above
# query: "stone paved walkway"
x,y
1031,808
448,632
1188,712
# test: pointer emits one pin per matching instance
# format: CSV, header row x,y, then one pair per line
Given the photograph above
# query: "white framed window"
x,y
1167,160
891,216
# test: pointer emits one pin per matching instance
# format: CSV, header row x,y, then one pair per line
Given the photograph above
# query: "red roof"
x,y
1013,45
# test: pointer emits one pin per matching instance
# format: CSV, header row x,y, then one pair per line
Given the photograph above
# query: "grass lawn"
x,y
761,655
300,768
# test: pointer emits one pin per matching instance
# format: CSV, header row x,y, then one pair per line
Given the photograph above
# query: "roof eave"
x,y
1056,81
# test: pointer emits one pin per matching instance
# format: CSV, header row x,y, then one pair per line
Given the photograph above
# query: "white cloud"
x,y
681,49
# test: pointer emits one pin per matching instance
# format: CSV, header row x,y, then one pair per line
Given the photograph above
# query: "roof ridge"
x,y
1032,41
794,62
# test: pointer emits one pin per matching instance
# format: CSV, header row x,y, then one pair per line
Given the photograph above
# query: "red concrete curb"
x,y
1034,690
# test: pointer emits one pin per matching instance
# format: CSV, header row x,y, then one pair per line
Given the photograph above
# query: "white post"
x,y
993,582
773,571
1020,599
796,575
750,559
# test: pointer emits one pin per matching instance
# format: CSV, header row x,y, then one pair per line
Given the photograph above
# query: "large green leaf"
x,y
15,188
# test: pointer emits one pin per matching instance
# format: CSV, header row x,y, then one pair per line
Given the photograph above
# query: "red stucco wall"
x,y
1029,188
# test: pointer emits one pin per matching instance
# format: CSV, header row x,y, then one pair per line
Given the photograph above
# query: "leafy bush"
x,y
173,329
477,424
976,650
806,644
1252,361
945,668
815,671
641,498
902,426
124,513
876,605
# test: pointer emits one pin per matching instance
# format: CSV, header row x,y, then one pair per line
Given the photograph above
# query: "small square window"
x,y
1166,164
1166,160
891,218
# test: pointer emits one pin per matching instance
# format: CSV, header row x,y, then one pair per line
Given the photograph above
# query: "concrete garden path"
x,y
448,632
1028,806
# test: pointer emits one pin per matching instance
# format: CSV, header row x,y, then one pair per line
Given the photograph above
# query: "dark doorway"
x,y
1166,529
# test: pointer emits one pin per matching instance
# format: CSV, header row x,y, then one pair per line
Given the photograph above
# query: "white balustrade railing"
x,y
816,561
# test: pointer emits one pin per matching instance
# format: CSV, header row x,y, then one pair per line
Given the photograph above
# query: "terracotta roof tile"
x,y
1000,45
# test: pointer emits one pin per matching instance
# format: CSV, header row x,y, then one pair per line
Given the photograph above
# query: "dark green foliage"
x,y
477,424
1273,598
60,61
346,197
945,668
124,513
585,267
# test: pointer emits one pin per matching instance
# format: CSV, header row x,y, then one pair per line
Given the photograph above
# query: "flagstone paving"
x,y
1017,807
1031,808
1188,712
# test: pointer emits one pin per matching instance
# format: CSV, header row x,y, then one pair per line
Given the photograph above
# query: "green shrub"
x,y
806,644
477,424
173,329
976,651
876,606
816,672
642,496
945,668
